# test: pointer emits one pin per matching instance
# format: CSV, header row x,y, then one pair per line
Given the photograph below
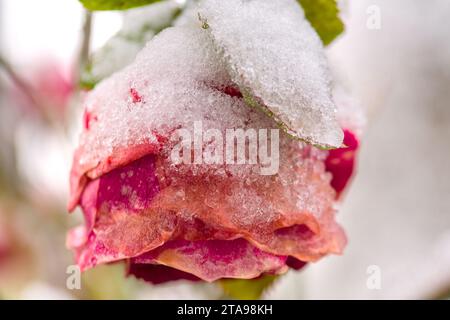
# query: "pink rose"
x,y
171,220
175,223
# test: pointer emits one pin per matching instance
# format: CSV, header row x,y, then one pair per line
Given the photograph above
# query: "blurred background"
x,y
396,214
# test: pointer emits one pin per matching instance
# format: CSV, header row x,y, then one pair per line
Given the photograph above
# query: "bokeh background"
x,y
396,214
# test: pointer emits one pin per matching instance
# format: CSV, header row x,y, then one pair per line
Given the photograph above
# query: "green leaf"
x,y
95,5
247,289
324,17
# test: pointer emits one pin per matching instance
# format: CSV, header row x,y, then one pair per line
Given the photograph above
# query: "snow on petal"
x,y
176,79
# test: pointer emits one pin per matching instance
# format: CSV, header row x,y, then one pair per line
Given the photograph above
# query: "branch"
x,y
83,56
18,81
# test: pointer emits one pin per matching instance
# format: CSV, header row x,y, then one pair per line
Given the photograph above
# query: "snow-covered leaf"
x,y
278,62
139,26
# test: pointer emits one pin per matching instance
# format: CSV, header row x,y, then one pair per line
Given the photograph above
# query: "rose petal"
x,y
215,259
295,264
128,212
157,274
89,251
341,162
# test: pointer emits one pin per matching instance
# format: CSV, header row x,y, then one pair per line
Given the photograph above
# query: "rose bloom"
x,y
177,224
199,221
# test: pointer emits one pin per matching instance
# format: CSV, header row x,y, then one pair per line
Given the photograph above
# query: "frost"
x,y
278,61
